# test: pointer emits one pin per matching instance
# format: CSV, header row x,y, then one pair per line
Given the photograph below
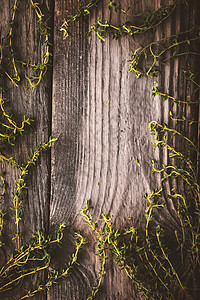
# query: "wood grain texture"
x,y
28,47
70,77
110,108
99,112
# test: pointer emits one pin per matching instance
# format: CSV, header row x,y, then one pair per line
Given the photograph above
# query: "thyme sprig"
x,y
41,67
149,253
33,80
84,10
21,185
157,51
55,275
145,255
35,257
152,20
156,91
101,248
15,80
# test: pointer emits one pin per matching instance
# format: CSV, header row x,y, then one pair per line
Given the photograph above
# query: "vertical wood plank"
x,y
69,89
100,115
28,47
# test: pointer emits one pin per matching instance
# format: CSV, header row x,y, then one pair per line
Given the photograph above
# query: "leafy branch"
x,y
21,185
84,10
33,258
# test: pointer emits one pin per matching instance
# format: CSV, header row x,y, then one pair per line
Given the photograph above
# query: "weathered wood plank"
x,y
69,89
28,47
99,114
102,130
110,111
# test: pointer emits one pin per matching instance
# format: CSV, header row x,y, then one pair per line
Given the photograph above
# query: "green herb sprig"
x,y
84,10
35,257
20,182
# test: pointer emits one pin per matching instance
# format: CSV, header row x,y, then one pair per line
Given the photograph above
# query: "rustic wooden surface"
x,y
28,47
99,112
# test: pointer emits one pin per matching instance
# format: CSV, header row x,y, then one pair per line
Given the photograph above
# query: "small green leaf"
x,y
137,162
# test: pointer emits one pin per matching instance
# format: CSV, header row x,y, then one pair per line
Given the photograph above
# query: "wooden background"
x,y
99,112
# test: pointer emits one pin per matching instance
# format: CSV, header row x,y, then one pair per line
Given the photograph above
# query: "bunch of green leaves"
x,y
20,182
11,60
34,80
152,20
149,257
156,91
84,10
34,257
31,259
146,255
9,129
146,60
